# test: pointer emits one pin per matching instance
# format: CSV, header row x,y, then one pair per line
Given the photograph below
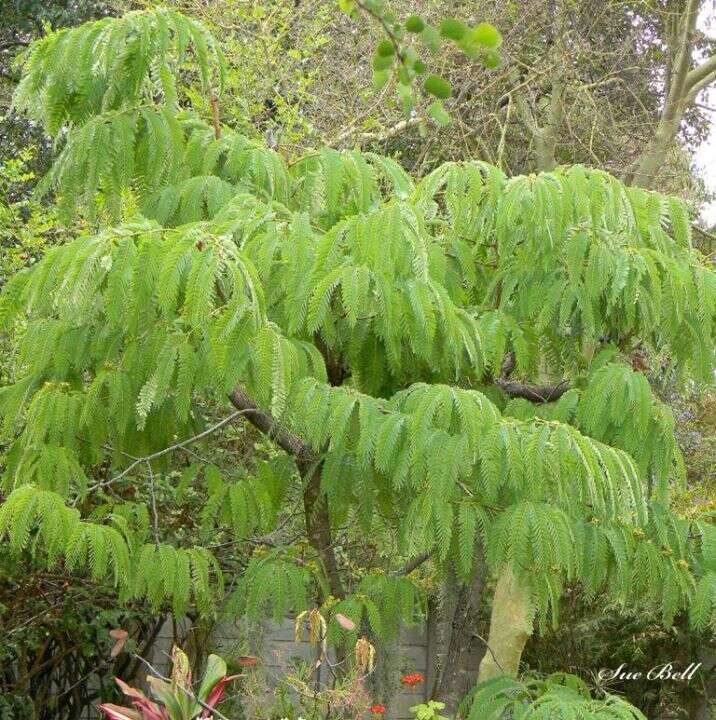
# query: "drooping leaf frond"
x,y
112,64
39,521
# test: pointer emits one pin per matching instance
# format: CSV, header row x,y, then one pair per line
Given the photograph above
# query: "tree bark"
x,y
465,647
318,526
535,393
545,129
510,627
704,703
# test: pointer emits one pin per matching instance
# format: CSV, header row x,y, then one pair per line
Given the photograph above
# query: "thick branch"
x,y
318,526
678,83
267,424
681,85
466,647
701,73
704,233
534,393
412,564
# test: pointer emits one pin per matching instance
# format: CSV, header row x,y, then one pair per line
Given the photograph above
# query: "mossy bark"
x,y
510,627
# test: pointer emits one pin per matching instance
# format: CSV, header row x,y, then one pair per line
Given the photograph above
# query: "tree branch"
x,y
167,450
388,133
412,564
679,81
318,525
534,393
215,113
268,425
706,80
704,233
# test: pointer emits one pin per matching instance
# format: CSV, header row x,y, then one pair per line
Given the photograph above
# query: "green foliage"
x,y
270,586
437,86
113,64
69,643
405,58
703,607
383,603
112,85
487,35
39,519
560,697
250,505
453,29
370,315
26,227
414,24
428,711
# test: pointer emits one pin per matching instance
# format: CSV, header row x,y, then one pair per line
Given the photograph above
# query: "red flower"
x,y
377,709
412,679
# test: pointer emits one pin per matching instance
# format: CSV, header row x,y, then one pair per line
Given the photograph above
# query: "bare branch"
x,y
377,136
704,233
535,393
318,524
167,450
704,71
412,564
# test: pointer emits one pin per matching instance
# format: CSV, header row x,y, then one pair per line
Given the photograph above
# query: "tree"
x,y
458,360
685,79
604,61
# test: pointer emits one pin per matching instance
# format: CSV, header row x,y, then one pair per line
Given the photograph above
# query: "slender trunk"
x,y
546,136
318,526
654,155
433,650
545,148
441,609
681,86
466,647
510,627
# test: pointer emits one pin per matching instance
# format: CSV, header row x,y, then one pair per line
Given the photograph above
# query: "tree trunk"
x,y
315,505
465,647
318,526
510,627
682,87
654,155
441,609
703,704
